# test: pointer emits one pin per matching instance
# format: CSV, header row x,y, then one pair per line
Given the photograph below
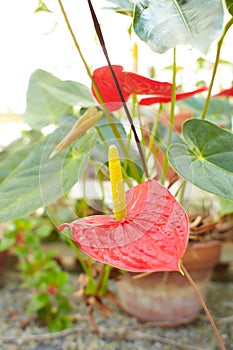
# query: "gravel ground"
x,y
131,334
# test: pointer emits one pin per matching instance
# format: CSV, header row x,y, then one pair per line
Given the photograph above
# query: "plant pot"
x,y
167,297
3,260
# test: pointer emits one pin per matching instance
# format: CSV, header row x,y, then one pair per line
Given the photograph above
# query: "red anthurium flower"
x,y
152,237
130,83
226,92
163,99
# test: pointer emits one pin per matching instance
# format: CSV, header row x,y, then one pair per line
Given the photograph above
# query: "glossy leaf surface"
x,y
152,237
163,24
130,83
206,158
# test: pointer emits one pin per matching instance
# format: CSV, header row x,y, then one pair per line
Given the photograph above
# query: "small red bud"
x,y
20,239
52,289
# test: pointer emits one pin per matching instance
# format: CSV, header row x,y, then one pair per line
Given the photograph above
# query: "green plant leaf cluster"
x,y
40,271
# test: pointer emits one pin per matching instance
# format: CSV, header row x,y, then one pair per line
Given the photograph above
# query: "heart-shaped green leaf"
x,y
163,24
39,179
48,98
206,158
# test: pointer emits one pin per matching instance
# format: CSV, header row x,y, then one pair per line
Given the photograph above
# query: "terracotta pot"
x,y
167,297
3,260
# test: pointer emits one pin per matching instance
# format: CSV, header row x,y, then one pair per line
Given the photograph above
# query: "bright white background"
x,y
30,40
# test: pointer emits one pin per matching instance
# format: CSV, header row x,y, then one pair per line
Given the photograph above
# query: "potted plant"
x,y
150,228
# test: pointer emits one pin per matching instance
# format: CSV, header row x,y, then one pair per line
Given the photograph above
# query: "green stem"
x,y
153,132
220,42
181,191
103,280
172,116
87,268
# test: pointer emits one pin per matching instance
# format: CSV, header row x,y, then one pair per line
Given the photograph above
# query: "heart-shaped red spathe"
x,y
130,83
152,237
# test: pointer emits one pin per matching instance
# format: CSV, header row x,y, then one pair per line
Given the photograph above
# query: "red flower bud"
x,y
52,289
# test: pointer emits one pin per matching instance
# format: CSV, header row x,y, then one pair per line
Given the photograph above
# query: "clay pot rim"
x,y
202,255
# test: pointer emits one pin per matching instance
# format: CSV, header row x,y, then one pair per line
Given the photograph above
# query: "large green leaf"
x,y
17,151
39,180
9,163
163,24
48,98
206,158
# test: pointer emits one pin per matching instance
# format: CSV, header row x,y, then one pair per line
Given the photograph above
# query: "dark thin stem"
x,y
102,43
203,304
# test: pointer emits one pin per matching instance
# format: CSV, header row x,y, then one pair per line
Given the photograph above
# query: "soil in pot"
x,y
167,297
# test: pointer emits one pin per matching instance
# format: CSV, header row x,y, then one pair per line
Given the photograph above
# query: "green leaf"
x,y
44,231
229,4
206,158
226,206
42,7
163,24
39,180
38,302
8,164
48,98
6,243
17,151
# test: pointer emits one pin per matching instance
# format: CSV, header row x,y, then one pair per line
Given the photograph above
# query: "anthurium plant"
x,y
148,230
